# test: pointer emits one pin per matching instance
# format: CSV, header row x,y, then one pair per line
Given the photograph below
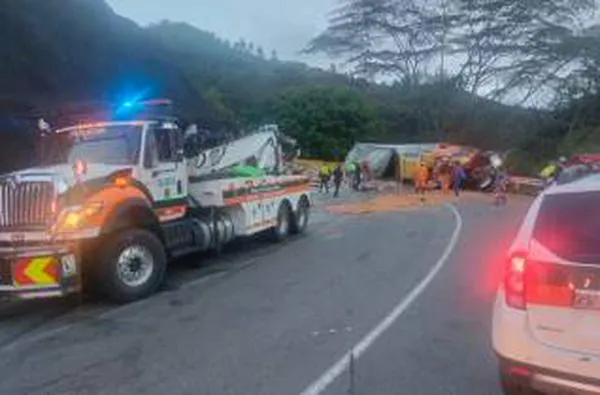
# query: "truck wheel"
x,y
131,266
300,219
282,228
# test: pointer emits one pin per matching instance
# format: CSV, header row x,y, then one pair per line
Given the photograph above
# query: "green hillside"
x,y
71,50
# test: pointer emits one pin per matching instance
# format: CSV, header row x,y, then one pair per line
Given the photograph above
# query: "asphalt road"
x,y
274,319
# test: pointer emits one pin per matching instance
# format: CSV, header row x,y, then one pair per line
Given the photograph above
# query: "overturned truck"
x,y
387,160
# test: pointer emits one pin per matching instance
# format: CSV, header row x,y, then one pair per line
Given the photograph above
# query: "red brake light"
x,y
537,283
550,284
514,281
519,371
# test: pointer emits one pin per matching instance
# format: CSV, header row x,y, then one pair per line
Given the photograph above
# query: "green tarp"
x,y
247,171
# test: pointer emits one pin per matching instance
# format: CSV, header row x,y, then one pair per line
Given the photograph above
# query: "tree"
x,y
223,86
241,45
387,37
473,46
325,121
522,44
217,102
530,46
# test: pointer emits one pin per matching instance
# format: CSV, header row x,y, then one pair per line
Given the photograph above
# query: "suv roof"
x,y
584,183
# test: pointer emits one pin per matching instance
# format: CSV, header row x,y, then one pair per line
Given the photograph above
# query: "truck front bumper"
x,y
39,271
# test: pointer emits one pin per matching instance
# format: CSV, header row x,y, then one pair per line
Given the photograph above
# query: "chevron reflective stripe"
x,y
37,271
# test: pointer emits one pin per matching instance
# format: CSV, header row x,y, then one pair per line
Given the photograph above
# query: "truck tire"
x,y
284,219
487,184
131,265
300,218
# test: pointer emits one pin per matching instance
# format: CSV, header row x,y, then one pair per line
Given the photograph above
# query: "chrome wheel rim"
x,y
283,223
302,216
135,265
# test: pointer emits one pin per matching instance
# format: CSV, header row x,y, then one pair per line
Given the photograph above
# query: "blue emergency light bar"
x,y
91,112
146,109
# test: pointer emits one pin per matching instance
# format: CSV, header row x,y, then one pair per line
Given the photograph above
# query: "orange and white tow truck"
x,y
124,198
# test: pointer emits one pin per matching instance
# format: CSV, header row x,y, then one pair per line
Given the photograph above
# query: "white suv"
x,y
546,325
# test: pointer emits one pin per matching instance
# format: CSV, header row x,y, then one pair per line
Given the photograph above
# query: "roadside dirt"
x,y
407,201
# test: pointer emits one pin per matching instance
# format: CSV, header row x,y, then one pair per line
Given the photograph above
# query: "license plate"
x,y
586,299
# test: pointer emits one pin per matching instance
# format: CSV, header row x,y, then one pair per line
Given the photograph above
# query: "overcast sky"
x,y
274,24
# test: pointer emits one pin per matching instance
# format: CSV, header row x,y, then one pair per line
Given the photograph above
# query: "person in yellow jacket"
x,y
553,169
324,175
548,171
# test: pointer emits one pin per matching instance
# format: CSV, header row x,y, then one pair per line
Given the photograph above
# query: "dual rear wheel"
x,y
289,222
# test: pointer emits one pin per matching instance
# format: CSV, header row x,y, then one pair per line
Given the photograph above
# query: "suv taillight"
x,y
514,281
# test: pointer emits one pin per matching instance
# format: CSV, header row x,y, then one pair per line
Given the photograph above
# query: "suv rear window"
x,y
569,226
573,173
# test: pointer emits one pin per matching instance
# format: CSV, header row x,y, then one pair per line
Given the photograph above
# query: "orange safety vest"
x,y
423,173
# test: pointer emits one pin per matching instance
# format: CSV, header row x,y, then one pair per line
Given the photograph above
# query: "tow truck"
x,y
124,197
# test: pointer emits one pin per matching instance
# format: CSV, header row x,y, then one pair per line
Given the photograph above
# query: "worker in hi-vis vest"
x,y
324,174
421,179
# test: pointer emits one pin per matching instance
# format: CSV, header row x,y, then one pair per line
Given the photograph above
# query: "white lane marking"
x,y
366,342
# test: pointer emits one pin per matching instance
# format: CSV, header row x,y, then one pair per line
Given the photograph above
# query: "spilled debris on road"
x,y
400,202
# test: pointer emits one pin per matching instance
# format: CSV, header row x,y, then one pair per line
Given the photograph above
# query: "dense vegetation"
x,y
75,50
247,89
540,51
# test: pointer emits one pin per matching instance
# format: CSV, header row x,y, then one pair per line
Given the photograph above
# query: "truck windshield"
x,y
107,144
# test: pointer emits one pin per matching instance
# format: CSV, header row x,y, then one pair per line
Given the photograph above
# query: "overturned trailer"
x,y
384,160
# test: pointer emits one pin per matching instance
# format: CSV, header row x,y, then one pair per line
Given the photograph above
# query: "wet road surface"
x,y
273,319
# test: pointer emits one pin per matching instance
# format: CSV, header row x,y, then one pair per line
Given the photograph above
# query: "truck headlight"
x,y
76,217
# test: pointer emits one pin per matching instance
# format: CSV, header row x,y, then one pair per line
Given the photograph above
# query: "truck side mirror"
x,y
179,155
